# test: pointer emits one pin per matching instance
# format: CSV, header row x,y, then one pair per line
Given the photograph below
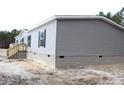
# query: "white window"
x,y
23,40
42,39
29,41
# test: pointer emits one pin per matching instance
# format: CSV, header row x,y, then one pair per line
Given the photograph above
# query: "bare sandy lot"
x,y
27,72
3,52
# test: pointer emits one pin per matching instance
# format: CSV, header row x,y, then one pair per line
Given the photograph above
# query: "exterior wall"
x,y
50,39
88,37
42,59
81,42
24,35
40,54
88,42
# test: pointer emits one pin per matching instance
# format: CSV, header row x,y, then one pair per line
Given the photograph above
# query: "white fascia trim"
x,y
76,17
19,34
23,31
42,23
112,22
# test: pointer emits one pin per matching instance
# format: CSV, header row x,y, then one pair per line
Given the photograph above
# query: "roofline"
x,y
42,23
112,22
55,17
20,33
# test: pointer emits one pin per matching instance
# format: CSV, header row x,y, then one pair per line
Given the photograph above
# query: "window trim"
x,y
29,40
42,39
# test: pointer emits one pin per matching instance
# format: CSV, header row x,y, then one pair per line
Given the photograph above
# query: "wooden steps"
x,y
17,50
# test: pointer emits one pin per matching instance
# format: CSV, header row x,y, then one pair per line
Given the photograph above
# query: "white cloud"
x,y
26,13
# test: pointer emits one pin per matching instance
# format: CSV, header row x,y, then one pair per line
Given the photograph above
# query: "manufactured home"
x,y
72,41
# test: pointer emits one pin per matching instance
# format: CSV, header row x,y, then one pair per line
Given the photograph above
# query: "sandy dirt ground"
x,y
27,72
3,52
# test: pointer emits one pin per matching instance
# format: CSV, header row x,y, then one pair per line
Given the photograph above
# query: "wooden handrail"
x,y
19,47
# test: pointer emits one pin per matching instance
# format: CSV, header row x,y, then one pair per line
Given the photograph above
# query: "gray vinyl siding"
x,y
88,37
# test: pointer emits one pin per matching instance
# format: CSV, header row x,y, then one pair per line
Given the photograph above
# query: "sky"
x,y
24,14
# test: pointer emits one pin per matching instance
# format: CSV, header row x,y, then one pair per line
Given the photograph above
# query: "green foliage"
x,y
118,17
6,35
109,15
101,14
